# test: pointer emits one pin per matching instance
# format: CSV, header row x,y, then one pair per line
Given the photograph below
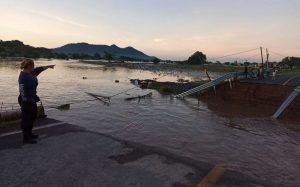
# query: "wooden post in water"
x,y
209,78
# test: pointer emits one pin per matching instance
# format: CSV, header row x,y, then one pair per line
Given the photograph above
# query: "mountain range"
x,y
92,49
16,48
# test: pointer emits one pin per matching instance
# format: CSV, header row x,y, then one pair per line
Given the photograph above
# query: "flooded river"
x,y
258,147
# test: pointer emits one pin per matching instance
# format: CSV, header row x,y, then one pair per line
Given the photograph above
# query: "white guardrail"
x,y
287,102
207,85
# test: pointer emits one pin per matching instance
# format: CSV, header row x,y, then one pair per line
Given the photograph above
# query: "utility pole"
x,y
262,56
261,69
268,55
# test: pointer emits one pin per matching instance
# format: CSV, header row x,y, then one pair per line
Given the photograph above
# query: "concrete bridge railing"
x,y
287,102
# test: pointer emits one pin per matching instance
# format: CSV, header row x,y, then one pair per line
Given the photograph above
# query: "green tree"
x,y
97,56
296,61
156,60
235,63
246,63
198,58
36,55
3,54
61,56
75,56
108,56
125,58
290,61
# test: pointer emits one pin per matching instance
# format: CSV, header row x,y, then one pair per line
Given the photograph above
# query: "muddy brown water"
x,y
254,145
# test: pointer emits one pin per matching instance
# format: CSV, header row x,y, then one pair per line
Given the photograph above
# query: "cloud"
x,y
158,40
57,18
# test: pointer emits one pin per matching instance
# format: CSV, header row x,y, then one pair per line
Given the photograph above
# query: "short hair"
x,y
27,63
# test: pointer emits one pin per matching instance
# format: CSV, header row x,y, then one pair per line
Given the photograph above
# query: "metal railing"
x,y
207,85
287,102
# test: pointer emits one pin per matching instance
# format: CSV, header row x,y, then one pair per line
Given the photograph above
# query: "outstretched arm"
x,y
47,67
39,70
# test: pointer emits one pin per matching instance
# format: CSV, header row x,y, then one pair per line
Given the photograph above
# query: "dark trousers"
x,y
29,114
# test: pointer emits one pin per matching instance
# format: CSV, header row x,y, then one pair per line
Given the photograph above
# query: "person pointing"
x,y
28,98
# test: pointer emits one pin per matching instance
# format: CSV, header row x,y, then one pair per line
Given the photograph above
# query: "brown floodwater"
x,y
252,144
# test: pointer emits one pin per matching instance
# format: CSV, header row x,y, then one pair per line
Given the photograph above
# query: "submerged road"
x,y
68,155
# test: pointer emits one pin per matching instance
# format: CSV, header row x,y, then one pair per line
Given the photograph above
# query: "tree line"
x,y
291,62
199,58
17,48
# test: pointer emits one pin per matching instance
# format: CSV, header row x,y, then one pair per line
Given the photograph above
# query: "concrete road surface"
x,y
289,79
67,155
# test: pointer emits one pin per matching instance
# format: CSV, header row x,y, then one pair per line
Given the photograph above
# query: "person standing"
x,y
261,72
246,71
28,98
274,74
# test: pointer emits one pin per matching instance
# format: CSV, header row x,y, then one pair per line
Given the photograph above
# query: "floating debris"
x,y
136,82
139,97
84,77
183,81
63,107
168,87
117,81
104,99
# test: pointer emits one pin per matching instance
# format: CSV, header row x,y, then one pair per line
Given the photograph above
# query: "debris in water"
x,y
117,81
63,107
183,81
105,100
139,97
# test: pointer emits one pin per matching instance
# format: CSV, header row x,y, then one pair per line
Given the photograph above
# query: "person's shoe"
x,y
29,141
34,136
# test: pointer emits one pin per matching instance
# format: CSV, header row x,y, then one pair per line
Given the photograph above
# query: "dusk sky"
x,y
170,29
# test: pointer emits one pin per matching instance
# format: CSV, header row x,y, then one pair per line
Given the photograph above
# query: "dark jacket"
x,y
28,83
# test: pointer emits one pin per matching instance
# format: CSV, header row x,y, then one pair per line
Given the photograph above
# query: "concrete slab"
x,y
82,159
68,155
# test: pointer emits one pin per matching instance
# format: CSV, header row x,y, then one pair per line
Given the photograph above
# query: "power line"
x,y
249,57
278,54
234,54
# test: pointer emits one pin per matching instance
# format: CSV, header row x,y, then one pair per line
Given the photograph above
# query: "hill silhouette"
x,y
16,48
102,50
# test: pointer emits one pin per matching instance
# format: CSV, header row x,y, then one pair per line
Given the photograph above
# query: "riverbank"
x,y
221,68
244,98
168,67
265,98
